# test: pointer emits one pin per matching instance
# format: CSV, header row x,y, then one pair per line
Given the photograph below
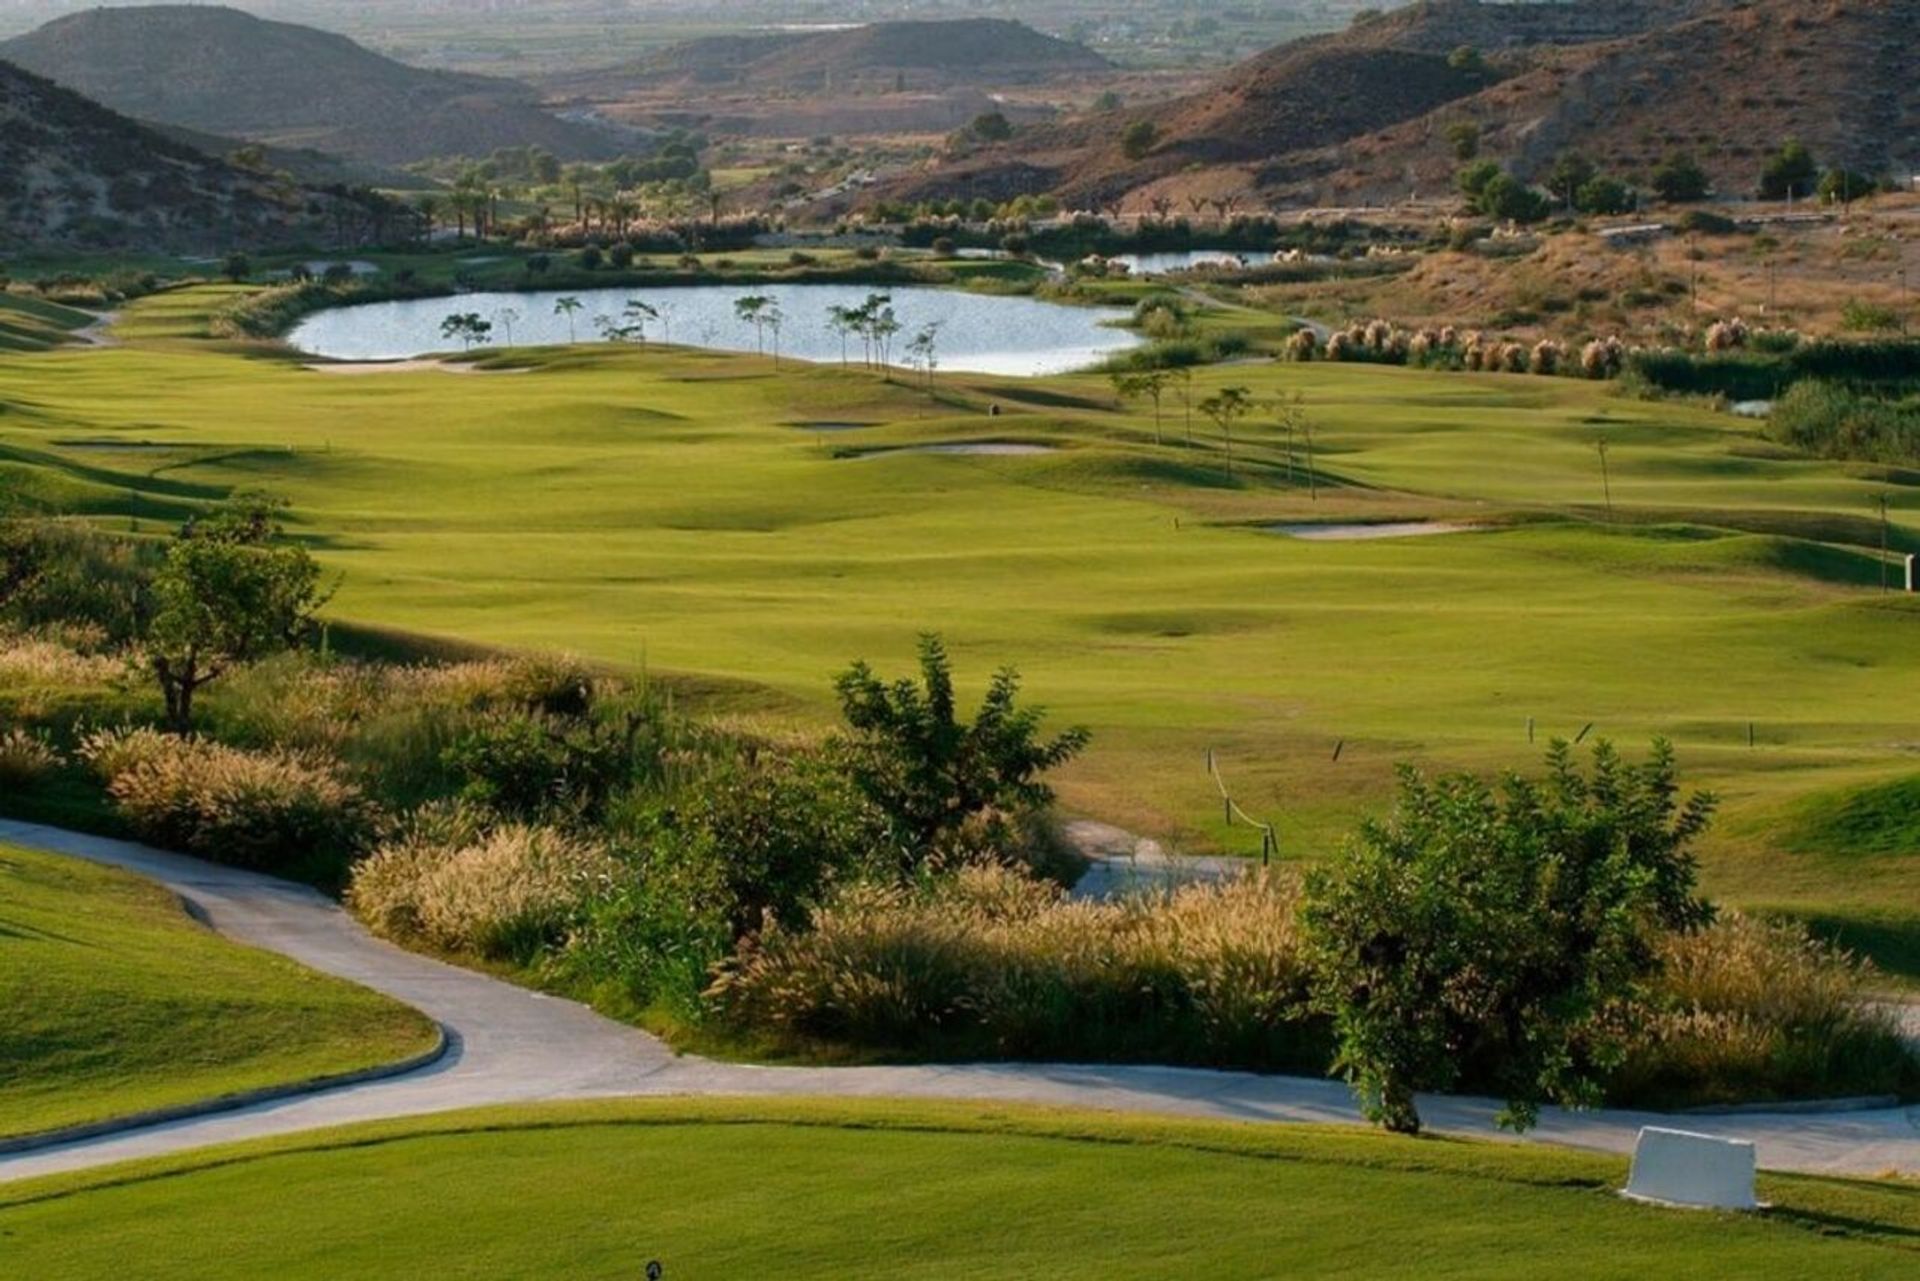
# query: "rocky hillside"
x,y
74,174
1365,114
883,55
227,72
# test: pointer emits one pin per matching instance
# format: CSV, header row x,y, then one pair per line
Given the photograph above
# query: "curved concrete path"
x,y
510,1045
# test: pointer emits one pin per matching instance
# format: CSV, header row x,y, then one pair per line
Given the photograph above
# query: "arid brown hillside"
x,y
73,173
916,55
227,72
1363,115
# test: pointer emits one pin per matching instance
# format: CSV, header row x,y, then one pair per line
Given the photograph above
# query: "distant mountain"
x,y
882,55
226,72
1365,114
73,173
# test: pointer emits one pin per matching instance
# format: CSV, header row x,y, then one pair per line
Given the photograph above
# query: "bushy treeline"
x,y
1879,366
1835,421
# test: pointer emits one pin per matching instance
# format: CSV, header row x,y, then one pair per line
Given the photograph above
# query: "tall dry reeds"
x,y
992,962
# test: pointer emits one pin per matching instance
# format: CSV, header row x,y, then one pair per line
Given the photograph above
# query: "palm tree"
x,y
752,309
566,307
507,316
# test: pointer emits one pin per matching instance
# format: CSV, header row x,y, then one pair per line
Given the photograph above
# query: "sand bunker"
x,y
1352,533
983,449
403,367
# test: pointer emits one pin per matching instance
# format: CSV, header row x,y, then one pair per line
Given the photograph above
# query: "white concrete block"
x,y
1675,1167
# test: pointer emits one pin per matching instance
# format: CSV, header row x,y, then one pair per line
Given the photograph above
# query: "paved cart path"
x,y
508,1045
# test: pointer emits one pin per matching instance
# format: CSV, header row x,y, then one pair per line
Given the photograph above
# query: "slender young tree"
x,y
1225,407
567,307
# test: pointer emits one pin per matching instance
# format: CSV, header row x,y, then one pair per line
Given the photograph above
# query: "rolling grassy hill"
x,y
222,71
672,509
34,324
119,1002
733,1188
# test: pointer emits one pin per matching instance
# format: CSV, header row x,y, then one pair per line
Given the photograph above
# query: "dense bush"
x,y
989,961
1835,422
277,811
1485,937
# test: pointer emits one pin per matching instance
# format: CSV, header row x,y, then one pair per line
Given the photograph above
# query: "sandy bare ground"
x,y
1362,532
507,1045
354,367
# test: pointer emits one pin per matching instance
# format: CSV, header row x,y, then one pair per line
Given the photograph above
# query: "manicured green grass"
x,y
732,1188
666,508
34,324
116,1001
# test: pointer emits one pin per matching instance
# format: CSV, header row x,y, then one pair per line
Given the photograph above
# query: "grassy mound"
x,y
1877,820
862,1189
118,1002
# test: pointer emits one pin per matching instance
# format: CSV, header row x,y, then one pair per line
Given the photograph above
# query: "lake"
x,y
978,333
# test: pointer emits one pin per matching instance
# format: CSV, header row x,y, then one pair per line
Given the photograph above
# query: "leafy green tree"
x,y
1679,179
1790,174
1464,137
1467,59
236,267
1148,384
1604,195
468,327
1843,186
1507,197
1473,179
1493,936
1138,138
991,126
230,591
1571,171
931,773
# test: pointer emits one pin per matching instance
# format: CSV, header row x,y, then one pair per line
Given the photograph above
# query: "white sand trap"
x,y
1355,533
403,367
984,449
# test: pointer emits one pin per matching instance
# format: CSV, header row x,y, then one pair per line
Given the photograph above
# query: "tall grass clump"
x,y
1833,421
1749,1009
454,882
26,758
989,961
274,810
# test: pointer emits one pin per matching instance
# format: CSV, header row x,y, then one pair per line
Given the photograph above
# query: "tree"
x,y
1464,137
1465,58
1605,195
638,314
1138,138
991,126
1679,179
1843,186
1571,171
507,317
236,267
752,309
1492,937
1790,174
1509,198
922,351
468,327
1150,384
932,773
1473,179
1225,407
567,307
229,591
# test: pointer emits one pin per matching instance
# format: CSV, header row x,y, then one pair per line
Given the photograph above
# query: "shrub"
x,y
620,255
991,962
504,892
26,758
1835,422
1302,345
271,810
1485,937
531,765
1748,1009
943,247
932,774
